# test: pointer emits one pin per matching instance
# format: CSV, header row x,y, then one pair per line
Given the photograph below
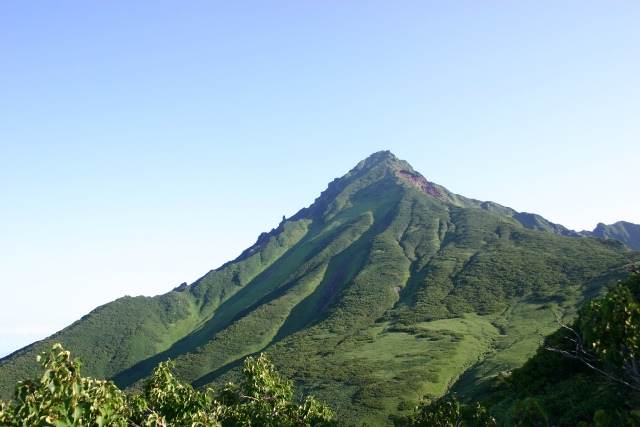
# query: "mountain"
x,y
623,231
386,289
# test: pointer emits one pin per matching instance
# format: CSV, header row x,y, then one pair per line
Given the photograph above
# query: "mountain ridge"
x,y
382,261
623,231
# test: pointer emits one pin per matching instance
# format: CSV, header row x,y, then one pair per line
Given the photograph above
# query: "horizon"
x,y
146,144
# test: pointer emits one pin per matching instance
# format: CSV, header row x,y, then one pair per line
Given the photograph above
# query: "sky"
x,y
145,143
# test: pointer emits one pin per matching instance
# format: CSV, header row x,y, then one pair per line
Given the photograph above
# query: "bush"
x,y
63,398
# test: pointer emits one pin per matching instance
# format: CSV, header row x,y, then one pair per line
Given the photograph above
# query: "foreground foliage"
x,y
446,412
63,398
610,331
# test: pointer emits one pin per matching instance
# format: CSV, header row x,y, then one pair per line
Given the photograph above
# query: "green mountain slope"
x,y
386,289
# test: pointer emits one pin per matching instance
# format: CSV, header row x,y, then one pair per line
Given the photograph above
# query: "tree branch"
x,y
588,358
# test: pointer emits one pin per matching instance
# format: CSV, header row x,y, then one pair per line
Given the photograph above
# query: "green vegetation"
x,y
585,372
377,295
63,398
446,412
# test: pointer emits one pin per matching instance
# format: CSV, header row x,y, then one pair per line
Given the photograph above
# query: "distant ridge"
x,y
623,231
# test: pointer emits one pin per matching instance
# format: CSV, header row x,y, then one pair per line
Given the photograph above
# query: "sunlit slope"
x,y
140,330
386,289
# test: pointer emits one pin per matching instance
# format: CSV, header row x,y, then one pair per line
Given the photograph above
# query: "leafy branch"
x,y
607,333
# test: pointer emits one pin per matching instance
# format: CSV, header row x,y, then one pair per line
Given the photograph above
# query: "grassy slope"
x,y
135,333
515,278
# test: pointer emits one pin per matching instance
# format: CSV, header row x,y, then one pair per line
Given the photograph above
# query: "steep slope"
x,y
387,288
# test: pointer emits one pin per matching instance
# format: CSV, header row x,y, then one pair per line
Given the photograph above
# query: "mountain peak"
x,y
379,156
402,170
376,159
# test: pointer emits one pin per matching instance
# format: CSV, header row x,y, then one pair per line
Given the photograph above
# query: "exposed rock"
x,y
420,182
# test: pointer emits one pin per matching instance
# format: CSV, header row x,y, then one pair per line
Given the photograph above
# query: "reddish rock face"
x,y
419,182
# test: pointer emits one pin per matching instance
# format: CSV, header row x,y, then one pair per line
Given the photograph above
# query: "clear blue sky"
x,y
145,143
